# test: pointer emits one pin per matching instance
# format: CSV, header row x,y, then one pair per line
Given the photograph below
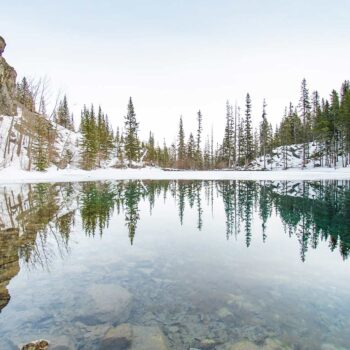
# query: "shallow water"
x,y
210,263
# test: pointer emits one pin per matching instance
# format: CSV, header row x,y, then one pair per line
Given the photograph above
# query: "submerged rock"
x,y
275,344
126,336
269,344
208,344
36,345
244,345
148,338
118,338
110,303
61,342
224,312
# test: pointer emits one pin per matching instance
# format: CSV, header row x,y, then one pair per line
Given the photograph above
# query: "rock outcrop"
x,y
7,84
2,45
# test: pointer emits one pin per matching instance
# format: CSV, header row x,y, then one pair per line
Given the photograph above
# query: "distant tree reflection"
x,y
36,221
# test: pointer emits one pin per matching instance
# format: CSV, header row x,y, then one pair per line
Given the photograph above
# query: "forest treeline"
x,y
320,123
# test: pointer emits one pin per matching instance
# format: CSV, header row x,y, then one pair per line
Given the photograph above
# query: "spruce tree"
x,y
264,130
249,147
305,109
198,140
131,140
227,146
63,116
151,152
40,144
345,117
25,95
191,152
89,139
181,147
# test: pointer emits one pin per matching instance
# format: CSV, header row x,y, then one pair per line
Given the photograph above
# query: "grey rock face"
x,y
2,45
7,84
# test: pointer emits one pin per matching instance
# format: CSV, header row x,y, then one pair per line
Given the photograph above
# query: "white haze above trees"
x,y
176,57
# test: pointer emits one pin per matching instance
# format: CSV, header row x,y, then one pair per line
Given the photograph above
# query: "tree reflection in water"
x,y
311,212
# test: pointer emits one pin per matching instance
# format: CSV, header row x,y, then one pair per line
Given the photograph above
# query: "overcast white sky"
x,y
175,57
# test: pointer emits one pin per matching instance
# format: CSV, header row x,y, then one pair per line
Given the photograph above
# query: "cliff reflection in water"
x,y
310,212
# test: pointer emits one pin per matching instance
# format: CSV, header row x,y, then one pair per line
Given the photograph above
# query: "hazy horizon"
x,y
177,57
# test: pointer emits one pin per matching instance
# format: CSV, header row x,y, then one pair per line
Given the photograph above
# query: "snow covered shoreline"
x,y
13,175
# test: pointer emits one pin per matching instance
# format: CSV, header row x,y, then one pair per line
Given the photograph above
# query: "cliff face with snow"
x,y
16,138
18,128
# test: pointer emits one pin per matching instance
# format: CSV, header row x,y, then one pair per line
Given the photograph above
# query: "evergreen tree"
x,y
88,142
305,113
227,146
206,155
345,118
40,145
181,147
191,152
151,152
249,150
264,133
63,116
25,95
241,143
198,140
131,140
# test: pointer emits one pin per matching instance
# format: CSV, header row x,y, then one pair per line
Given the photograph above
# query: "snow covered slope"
x,y
15,137
291,157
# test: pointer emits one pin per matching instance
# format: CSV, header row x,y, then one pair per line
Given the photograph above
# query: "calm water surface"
x,y
207,263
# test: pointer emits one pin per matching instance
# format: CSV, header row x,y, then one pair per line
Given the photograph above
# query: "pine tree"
x,y
191,151
345,118
336,127
151,152
305,109
206,155
63,116
249,149
132,143
241,147
227,145
198,141
264,131
165,155
88,142
40,145
25,95
181,147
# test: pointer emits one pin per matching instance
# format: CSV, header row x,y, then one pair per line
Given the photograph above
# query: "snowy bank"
x,y
14,175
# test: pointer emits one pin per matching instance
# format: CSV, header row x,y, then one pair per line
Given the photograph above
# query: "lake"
x,y
176,265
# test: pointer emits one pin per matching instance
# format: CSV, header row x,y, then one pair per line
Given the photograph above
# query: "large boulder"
x,y
109,303
129,337
7,84
118,338
148,338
